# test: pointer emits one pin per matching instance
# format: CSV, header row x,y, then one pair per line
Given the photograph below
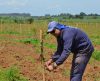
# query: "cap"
x,y
51,26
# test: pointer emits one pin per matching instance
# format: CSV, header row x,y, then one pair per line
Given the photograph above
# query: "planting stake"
x,y
41,55
20,28
1,24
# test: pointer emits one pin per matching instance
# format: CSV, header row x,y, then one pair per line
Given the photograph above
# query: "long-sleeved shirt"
x,y
71,40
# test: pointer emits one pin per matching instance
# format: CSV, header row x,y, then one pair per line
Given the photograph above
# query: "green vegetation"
x,y
27,18
96,39
36,42
52,46
96,55
30,41
11,74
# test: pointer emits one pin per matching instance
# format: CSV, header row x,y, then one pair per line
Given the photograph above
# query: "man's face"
x,y
55,32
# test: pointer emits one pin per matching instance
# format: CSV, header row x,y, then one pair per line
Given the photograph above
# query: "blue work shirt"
x,y
71,40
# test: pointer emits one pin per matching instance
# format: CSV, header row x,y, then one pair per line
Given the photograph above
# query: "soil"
x,y
97,47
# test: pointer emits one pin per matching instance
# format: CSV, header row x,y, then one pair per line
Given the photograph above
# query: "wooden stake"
x,y
20,29
1,24
41,55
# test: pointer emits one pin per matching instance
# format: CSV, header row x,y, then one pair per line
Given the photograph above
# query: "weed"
x,y
96,55
11,74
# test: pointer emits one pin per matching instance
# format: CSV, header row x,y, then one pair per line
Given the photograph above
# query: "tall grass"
x,y
92,29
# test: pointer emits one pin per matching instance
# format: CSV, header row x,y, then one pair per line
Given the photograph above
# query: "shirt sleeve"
x,y
59,50
68,38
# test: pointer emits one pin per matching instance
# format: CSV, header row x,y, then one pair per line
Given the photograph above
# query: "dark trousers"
x,y
79,64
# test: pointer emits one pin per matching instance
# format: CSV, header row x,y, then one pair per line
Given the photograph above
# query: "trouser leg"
x,y
79,64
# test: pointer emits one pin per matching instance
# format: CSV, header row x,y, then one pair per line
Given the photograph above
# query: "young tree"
x,y
30,20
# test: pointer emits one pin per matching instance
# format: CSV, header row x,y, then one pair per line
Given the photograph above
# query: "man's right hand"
x,y
49,62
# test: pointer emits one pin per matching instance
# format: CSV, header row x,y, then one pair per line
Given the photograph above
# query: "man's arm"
x,y
68,38
57,54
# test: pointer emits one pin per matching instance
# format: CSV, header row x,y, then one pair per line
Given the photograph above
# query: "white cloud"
x,y
54,6
14,3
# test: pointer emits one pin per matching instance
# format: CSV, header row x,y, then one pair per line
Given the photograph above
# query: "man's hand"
x,y
50,68
49,62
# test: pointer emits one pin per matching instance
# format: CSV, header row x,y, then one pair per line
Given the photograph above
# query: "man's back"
x,y
80,41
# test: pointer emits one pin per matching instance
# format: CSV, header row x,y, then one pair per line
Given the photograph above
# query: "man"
x,y
69,40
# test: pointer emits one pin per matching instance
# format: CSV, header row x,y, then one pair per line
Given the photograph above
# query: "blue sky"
x,y
42,7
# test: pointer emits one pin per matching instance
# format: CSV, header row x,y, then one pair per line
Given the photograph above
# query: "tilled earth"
x,y
27,60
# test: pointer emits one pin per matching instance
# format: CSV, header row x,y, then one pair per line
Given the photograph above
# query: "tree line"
x,y
27,18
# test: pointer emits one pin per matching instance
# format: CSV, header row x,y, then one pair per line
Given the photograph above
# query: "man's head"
x,y
52,29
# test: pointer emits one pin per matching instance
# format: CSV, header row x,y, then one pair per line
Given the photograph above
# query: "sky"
x,y
52,7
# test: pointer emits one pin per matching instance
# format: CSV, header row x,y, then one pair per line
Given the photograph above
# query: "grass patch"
x,y
96,55
11,74
9,32
52,46
36,42
95,39
29,41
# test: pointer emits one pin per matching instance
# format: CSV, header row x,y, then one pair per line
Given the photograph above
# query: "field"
x,y
20,51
